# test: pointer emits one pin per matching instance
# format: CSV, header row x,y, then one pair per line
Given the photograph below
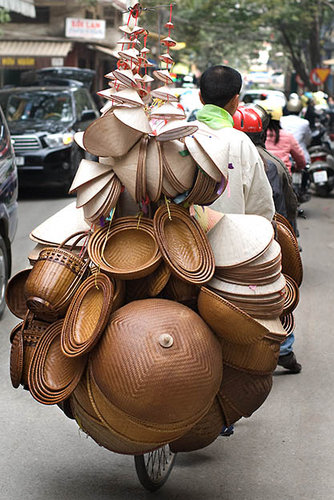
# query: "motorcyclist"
x,y
299,127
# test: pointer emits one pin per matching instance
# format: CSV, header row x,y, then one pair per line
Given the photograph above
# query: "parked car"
x,y
42,120
8,206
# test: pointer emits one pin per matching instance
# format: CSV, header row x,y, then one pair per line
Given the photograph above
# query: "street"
x,y
283,452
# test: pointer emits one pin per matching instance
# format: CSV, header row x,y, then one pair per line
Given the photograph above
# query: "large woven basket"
x,y
152,376
14,295
203,433
291,260
53,280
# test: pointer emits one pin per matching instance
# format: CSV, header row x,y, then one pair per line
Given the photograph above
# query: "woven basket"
x,y
32,331
203,433
14,295
291,260
16,359
132,362
53,280
87,315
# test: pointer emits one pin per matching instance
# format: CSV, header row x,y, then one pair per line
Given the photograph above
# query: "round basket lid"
x,y
15,298
146,343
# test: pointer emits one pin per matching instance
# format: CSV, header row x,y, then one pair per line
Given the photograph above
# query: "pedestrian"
x,y
299,127
282,143
253,120
248,189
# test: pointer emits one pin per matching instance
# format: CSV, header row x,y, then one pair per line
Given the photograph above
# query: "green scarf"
x,y
214,117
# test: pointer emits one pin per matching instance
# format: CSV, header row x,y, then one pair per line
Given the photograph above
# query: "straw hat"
x,y
179,167
125,167
87,191
135,118
165,93
175,129
163,75
205,161
127,96
61,225
125,76
167,111
88,171
239,238
154,170
107,136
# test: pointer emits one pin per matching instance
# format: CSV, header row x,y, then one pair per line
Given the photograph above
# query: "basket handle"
x,y
80,234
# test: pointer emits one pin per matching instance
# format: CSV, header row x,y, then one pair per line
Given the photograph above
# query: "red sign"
x,y
319,75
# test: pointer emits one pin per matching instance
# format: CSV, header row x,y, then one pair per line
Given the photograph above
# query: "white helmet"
x,y
294,104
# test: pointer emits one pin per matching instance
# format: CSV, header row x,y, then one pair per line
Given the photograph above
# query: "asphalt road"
x,y
284,451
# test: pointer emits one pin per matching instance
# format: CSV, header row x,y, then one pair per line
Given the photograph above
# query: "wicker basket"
x,y
54,279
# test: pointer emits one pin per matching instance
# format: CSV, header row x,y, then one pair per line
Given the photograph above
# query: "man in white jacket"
x,y
248,189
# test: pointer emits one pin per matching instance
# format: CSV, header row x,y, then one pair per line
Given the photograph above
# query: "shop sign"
x,y
11,62
85,28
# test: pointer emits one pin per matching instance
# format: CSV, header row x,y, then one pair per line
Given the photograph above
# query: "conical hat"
x,y
60,226
127,96
86,192
147,79
179,164
95,203
108,136
126,169
217,149
135,118
239,238
107,93
87,171
163,75
125,76
241,290
176,129
78,138
165,93
153,170
167,111
202,159
107,160
166,58
107,107
131,54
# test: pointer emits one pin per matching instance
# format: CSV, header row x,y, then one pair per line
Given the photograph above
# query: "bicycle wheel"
x,y
153,468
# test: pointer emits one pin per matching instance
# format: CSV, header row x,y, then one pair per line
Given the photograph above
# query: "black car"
x,y
8,206
42,120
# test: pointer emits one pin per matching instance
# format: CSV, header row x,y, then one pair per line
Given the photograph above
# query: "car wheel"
x,y
4,273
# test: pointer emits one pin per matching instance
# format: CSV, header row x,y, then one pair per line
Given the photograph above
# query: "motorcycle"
x,y
321,169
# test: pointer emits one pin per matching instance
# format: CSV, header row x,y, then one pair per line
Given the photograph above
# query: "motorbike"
x,y
321,169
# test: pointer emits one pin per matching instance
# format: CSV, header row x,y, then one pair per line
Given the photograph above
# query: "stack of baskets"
x,y
147,331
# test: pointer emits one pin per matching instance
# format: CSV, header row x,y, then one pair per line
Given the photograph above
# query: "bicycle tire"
x,y
154,468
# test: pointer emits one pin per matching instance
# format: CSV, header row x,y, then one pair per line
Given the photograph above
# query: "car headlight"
x,y
54,140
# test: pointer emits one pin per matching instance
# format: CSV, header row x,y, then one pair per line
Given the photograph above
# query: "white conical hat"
x,y
125,76
163,75
165,93
60,226
215,147
87,171
202,159
239,238
153,170
130,54
176,129
126,169
107,107
78,138
147,79
107,93
134,118
87,191
128,96
167,111
179,163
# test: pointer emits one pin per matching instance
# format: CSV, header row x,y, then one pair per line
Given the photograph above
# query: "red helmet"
x,y
247,120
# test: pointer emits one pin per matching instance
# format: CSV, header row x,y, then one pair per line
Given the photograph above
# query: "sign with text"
x,y
17,62
85,28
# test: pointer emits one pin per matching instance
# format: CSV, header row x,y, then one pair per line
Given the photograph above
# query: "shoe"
x,y
289,362
227,431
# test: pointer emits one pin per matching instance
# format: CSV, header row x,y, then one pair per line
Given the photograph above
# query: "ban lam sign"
x,y
85,28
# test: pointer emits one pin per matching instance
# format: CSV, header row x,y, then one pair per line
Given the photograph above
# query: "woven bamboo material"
x,y
181,291
203,433
52,376
14,294
259,358
150,286
16,359
126,249
134,386
291,297
291,260
32,331
53,281
244,392
87,315
183,244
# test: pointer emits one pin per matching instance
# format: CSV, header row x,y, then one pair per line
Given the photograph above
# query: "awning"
x,y
117,4
24,7
106,50
34,49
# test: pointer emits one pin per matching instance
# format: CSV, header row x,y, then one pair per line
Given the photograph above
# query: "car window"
x,y
40,105
82,102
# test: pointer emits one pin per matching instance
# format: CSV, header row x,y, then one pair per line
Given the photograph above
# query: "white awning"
x,y
24,7
34,49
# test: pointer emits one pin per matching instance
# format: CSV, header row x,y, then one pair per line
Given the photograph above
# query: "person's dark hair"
x,y
275,127
219,84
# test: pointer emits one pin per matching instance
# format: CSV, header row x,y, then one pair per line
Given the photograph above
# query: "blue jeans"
x,y
286,347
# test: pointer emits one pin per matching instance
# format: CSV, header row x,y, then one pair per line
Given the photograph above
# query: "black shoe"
x,y
289,362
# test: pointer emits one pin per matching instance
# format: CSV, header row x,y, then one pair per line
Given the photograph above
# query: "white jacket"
x,y
248,190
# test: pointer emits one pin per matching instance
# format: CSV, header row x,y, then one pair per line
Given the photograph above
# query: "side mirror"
x,y
88,115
